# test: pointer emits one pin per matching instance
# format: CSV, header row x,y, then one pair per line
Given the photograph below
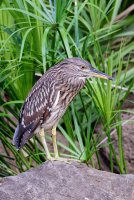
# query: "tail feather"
x,y
22,135
16,137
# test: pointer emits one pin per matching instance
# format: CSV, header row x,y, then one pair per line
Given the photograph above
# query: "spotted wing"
x,y
37,108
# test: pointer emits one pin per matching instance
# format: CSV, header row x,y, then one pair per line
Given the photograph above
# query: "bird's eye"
x,y
82,67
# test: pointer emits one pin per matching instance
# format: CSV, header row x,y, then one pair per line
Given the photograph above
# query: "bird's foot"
x,y
66,160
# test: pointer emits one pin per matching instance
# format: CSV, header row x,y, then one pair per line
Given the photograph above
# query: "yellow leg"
x,y
42,135
56,155
55,143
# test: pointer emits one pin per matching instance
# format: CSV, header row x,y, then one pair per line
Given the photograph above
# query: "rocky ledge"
x,y
61,181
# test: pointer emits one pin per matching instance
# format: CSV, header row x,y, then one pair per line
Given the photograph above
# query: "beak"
x,y
96,73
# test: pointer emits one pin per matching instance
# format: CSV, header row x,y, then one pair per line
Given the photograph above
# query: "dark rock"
x,y
61,181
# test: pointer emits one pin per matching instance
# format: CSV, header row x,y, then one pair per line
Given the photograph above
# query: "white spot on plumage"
x,y
41,96
38,101
32,106
22,122
52,93
49,109
35,103
44,103
56,100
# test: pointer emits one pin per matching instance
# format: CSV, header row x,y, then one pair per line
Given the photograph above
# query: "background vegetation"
x,y
37,34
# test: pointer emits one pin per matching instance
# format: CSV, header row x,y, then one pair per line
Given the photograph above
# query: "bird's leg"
x,y
55,143
56,155
42,135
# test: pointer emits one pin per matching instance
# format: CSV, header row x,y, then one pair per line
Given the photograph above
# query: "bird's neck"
x,y
71,82
76,83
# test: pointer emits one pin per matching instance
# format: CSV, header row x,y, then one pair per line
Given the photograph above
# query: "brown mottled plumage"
x,y
51,95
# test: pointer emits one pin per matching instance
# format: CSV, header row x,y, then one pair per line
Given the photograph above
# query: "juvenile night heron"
x,y
49,99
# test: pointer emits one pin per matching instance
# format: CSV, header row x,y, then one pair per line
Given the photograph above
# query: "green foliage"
x,y
37,34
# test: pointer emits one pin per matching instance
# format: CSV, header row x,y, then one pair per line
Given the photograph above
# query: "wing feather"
x,y
35,110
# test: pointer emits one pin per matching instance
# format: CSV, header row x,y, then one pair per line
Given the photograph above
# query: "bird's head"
x,y
80,68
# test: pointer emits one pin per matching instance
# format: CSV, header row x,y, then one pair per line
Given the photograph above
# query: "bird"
x,y
49,98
